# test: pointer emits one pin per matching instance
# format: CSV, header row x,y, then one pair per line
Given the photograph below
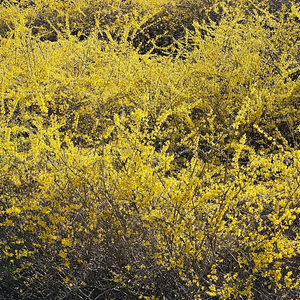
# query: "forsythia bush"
x,y
149,150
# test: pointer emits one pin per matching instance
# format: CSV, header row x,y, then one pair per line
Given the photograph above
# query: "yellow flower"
x,y
66,242
62,254
13,210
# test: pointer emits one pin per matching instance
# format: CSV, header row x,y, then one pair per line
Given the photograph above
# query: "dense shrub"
x,y
142,158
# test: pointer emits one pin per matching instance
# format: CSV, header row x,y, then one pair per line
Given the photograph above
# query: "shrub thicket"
x,y
149,149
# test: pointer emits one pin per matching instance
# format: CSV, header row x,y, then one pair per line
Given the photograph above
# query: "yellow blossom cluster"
x,y
149,157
